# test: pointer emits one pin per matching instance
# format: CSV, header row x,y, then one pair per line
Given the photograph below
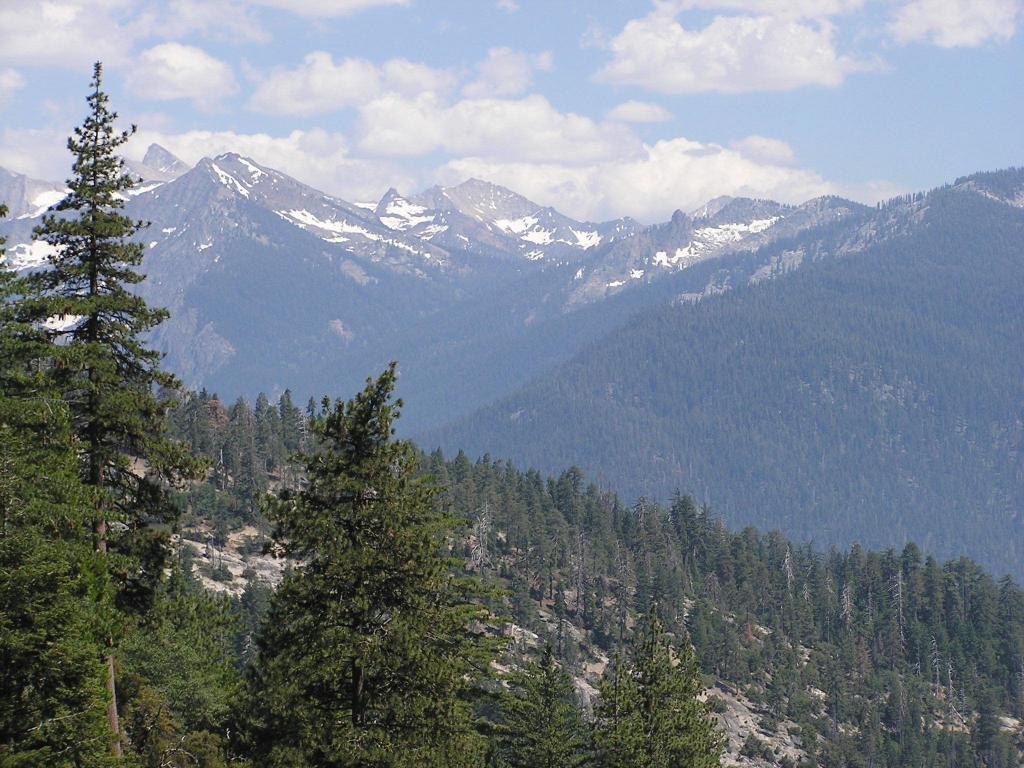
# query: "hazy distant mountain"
x,y
863,367
274,284
873,393
158,164
25,197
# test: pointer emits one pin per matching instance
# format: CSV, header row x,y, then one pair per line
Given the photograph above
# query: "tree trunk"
x,y
100,529
357,694
112,717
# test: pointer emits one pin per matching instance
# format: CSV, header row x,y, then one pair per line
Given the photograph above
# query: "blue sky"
x,y
600,108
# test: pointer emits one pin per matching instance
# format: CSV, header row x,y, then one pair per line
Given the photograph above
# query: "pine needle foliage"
x,y
54,595
541,720
650,716
367,658
95,355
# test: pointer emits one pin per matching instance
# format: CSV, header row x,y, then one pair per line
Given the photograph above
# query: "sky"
x,y
602,108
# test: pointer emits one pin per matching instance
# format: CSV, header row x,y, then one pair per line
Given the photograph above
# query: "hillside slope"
x,y
811,659
874,395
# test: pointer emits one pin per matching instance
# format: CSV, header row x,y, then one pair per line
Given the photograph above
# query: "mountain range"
x,y
272,284
827,368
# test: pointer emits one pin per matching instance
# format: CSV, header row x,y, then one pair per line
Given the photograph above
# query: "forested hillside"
x,y
186,583
871,395
889,658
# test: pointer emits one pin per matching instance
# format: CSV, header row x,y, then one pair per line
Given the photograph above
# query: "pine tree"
x,y
179,680
541,721
54,596
17,339
650,716
97,361
366,658
7,282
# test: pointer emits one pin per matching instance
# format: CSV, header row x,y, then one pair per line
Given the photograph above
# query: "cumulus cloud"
x,y
732,54
506,72
318,85
219,19
955,23
813,9
639,112
65,33
409,77
322,85
175,71
764,149
648,185
327,8
10,81
37,152
509,6
529,129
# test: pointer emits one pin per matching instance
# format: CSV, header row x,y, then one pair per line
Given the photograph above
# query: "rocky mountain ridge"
x,y
273,284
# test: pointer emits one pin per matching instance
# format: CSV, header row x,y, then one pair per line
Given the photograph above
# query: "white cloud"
x,y
955,23
732,54
812,9
509,6
220,19
639,112
529,129
650,184
327,8
65,33
320,85
174,71
37,152
10,81
506,72
411,78
764,149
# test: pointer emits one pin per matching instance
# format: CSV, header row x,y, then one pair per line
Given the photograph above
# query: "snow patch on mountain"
x,y
516,226
255,172
538,236
709,240
228,180
432,230
586,239
26,256
400,214
143,188
43,202
307,220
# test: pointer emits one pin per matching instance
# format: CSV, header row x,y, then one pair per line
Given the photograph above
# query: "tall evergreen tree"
x,y
541,721
98,363
366,658
54,596
16,338
650,716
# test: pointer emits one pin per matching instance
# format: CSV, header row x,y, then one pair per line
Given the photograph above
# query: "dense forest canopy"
x,y
871,395
184,583
875,634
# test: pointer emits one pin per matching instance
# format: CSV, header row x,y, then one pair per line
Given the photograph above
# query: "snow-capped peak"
x,y
398,213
